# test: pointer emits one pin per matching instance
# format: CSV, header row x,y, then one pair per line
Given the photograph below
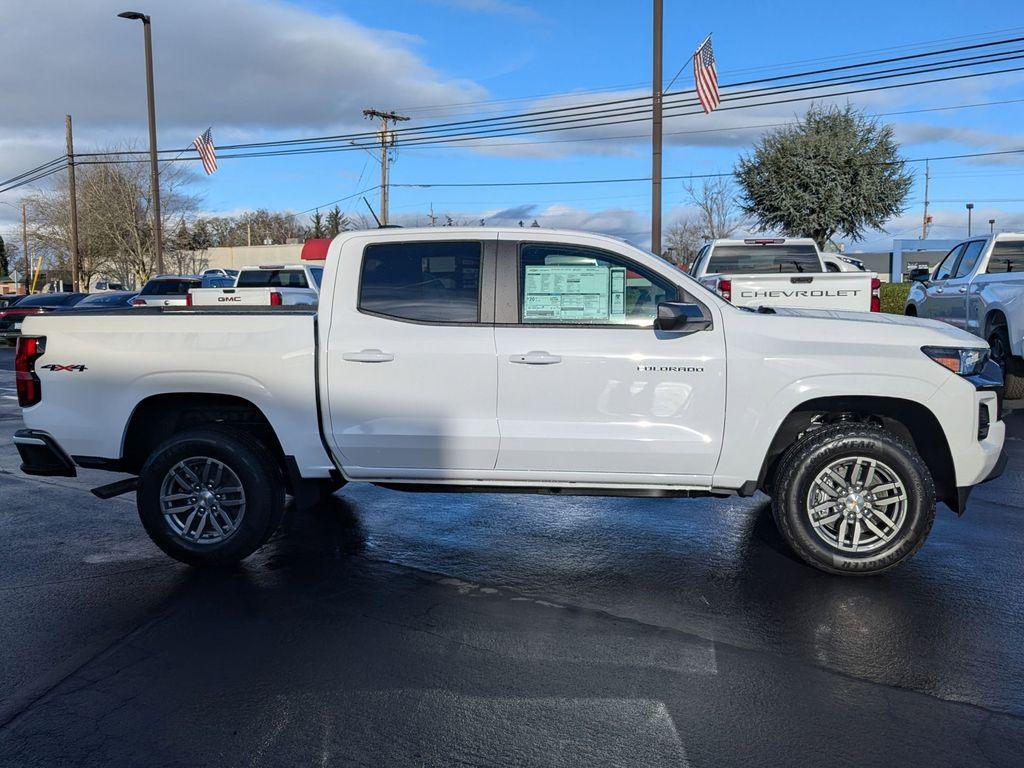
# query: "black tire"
x,y
1013,380
258,475
791,500
910,310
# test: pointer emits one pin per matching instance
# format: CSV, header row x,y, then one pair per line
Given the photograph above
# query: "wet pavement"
x,y
395,629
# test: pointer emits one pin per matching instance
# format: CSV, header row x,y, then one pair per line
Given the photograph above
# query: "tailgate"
x,y
219,297
820,290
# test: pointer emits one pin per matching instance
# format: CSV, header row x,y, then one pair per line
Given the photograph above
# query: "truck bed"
x,y
105,365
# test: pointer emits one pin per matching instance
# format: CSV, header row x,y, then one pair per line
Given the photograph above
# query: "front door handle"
x,y
939,290
368,356
535,358
963,289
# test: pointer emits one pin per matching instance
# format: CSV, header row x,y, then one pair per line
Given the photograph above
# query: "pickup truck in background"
x,y
782,272
270,286
514,360
166,291
979,287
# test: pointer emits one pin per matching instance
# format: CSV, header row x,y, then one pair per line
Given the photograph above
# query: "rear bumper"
x,y
41,455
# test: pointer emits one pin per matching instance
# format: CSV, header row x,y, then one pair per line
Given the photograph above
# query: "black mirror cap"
x,y
680,316
920,275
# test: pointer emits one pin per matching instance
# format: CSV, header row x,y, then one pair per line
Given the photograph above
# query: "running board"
x,y
110,490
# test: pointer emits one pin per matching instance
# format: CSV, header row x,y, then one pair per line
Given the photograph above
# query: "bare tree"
x,y
718,208
114,224
682,242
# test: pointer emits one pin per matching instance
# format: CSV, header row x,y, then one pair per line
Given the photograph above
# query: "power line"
x,y
588,110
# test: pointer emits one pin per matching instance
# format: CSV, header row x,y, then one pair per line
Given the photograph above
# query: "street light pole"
x,y
154,170
991,226
970,208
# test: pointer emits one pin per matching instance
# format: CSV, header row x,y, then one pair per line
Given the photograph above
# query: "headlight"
x,y
965,362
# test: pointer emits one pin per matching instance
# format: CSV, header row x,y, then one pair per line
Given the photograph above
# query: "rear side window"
x,y
428,282
170,287
272,278
756,259
1006,257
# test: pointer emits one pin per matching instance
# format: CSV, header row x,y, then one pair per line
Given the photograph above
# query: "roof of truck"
x,y
519,233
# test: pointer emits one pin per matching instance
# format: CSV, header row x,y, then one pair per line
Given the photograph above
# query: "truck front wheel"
x,y
210,496
853,499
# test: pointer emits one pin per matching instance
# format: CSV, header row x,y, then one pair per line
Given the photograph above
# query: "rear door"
x,y
411,377
957,287
588,391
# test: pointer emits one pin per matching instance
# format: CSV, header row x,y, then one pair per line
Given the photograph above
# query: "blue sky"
x,y
265,69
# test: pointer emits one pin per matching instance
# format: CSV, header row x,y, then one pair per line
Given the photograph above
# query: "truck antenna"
x,y
371,212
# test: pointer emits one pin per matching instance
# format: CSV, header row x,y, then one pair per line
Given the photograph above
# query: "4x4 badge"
x,y
55,368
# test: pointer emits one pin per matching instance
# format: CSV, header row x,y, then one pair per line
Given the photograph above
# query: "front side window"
x,y
318,275
437,282
570,285
948,264
1007,257
970,259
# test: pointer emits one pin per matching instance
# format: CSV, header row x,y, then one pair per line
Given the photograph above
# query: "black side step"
x,y
110,490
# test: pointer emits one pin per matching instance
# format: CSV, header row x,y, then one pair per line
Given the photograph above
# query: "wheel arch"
x,y
158,417
908,419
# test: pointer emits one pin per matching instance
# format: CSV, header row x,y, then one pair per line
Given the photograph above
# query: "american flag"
x,y
207,152
705,76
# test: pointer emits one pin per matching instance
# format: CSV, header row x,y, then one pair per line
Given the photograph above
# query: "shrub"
x,y
894,297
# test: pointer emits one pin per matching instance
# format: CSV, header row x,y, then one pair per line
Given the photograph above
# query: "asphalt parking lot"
x,y
393,629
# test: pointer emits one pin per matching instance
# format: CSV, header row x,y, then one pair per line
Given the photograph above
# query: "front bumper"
x,y
41,455
963,493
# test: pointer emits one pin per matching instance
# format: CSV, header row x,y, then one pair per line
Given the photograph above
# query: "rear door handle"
x,y
368,356
963,289
939,290
535,358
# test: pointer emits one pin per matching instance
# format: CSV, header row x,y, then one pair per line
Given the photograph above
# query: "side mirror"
x,y
920,275
679,316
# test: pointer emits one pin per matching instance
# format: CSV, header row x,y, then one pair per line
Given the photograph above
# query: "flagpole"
x,y
656,131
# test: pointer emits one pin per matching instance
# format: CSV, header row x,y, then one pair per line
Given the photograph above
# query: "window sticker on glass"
x,y
569,293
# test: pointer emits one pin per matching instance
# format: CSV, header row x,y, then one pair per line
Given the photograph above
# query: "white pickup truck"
x,y
782,272
266,286
514,360
979,286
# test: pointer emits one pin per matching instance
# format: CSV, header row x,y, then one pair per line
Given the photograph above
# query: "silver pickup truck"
x,y
979,287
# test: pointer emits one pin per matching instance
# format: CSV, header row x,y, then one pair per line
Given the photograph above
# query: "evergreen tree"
x,y
318,224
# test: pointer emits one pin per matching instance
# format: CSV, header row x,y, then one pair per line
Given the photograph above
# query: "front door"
x,y
411,376
588,391
957,286
937,300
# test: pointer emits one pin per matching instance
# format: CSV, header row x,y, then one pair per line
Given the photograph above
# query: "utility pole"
x,y
387,140
433,218
924,220
72,203
24,247
656,133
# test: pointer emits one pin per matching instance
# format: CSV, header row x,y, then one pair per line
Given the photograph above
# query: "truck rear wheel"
x,y
210,496
1013,381
853,499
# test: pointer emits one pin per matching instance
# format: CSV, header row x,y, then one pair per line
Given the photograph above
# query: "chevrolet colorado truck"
x,y
783,272
514,360
979,286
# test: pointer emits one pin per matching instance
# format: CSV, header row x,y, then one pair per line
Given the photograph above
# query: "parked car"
x,y
979,287
218,281
100,301
218,272
166,291
37,304
526,360
297,284
835,262
782,272
106,285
